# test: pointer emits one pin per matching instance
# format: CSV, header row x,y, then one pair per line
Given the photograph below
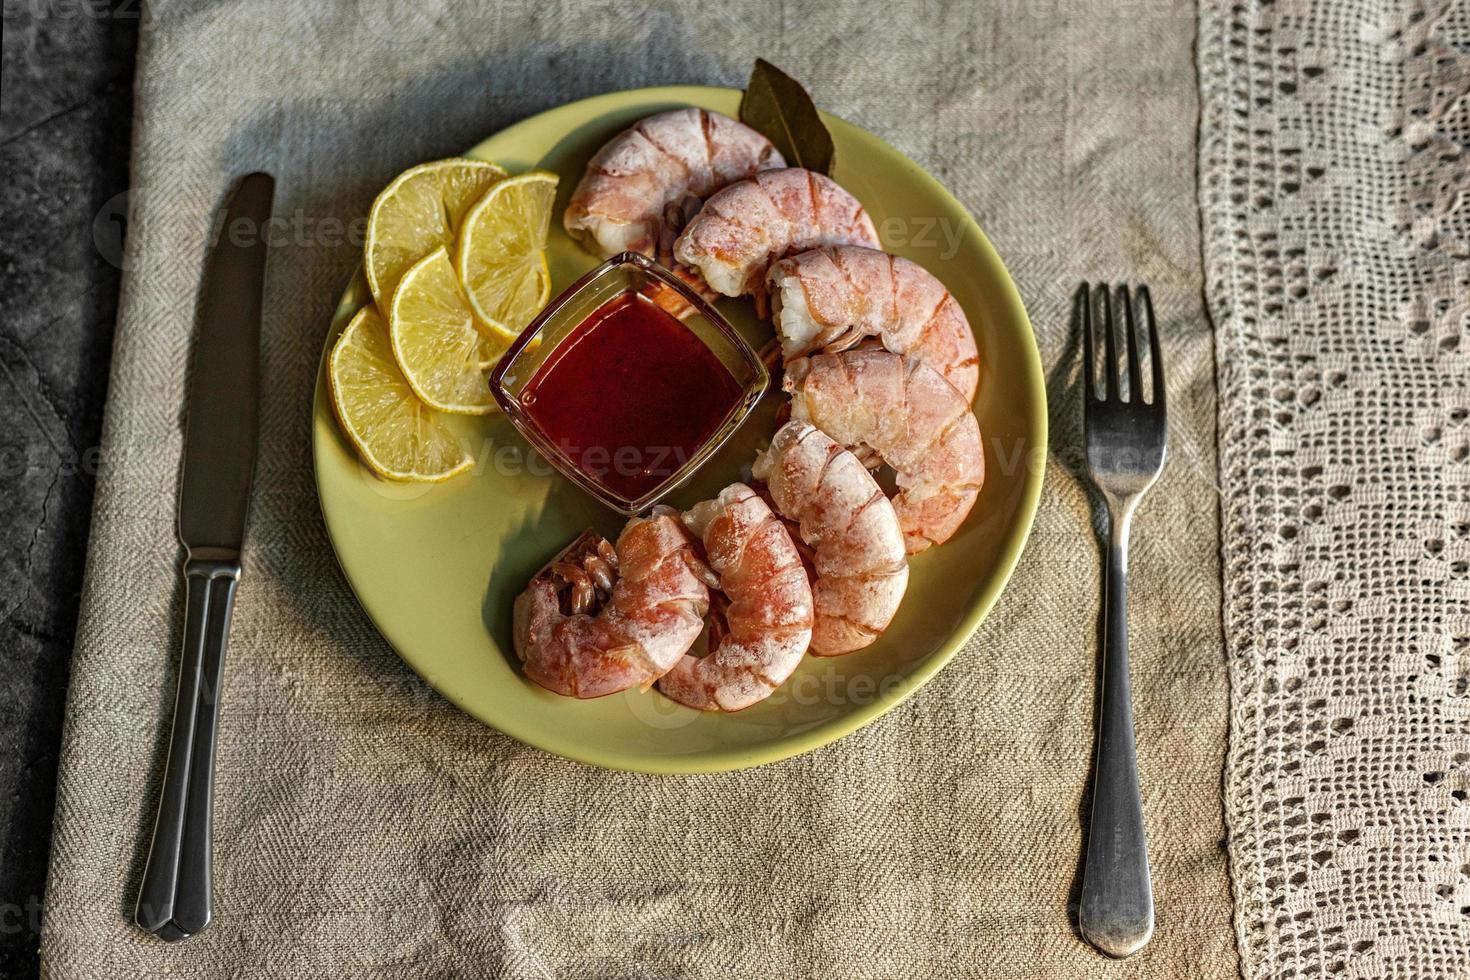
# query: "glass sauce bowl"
x,y
628,478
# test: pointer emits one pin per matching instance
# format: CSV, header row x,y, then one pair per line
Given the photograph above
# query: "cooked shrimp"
x,y
905,413
745,227
756,640
832,298
599,620
646,182
859,569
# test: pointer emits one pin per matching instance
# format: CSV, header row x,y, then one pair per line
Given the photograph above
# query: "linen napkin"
x,y
363,825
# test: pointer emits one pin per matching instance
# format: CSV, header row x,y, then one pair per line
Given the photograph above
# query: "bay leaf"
x,y
779,108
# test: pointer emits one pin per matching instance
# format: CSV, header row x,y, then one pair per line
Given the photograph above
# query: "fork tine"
x,y
1082,309
1146,313
1135,371
1110,346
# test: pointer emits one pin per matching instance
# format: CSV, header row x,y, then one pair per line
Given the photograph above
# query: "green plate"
x,y
437,567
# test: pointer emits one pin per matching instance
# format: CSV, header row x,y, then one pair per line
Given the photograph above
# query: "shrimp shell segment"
x,y
644,184
903,411
831,299
859,567
765,629
649,618
743,228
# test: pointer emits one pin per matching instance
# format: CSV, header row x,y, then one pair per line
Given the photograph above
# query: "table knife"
x,y
175,900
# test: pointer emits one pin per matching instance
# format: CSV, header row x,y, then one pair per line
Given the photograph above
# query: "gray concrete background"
x,y
65,116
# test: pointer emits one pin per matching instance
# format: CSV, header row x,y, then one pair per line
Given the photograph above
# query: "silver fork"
x,y
1125,439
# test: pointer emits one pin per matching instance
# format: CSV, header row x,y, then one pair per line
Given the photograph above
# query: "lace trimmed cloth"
x,y
1335,172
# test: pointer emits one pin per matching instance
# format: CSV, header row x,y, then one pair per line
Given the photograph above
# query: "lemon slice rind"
x,y
395,435
422,209
435,341
500,256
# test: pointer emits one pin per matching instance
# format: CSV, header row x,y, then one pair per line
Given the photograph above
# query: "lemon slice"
x,y
501,257
435,341
420,211
396,435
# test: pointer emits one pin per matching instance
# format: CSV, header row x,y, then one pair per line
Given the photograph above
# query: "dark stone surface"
x,y
65,116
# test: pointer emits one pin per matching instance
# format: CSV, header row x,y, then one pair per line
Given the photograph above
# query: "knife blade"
x,y
224,404
175,899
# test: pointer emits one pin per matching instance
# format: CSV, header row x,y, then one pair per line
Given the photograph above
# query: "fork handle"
x,y
1116,912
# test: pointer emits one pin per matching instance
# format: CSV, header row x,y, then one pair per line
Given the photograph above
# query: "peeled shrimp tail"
x,y
858,561
833,298
914,420
751,223
766,625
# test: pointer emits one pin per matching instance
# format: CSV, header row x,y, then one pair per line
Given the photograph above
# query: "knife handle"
x,y
175,899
